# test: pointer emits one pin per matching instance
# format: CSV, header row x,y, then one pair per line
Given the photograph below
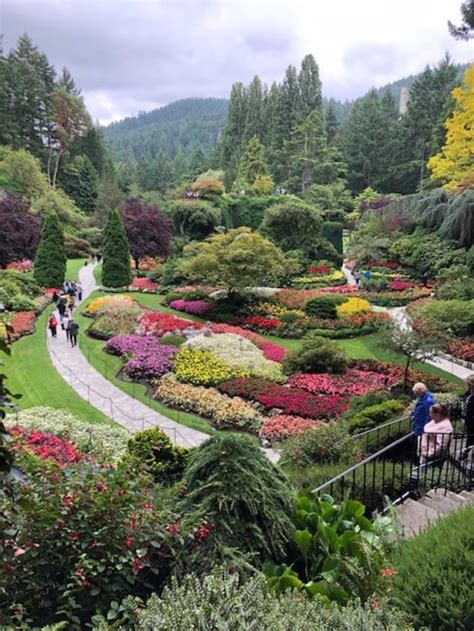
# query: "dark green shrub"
x,y
50,261
244,498
116,270
317,354
332,230
194,294
159,456
435,570
172,295
323,307
327,443
357,404
172,340
375,415
289,318
77,248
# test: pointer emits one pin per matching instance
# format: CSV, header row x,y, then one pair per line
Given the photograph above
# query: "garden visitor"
x,y
421,413
55,297
79,291
468,416
62,307
52,324
73,328
65,322
435,437
357,277
367,274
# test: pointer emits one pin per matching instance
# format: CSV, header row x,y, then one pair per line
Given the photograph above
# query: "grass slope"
x,y
72,268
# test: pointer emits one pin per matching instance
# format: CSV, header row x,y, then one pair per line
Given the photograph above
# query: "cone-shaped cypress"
x,y
116,271
50,261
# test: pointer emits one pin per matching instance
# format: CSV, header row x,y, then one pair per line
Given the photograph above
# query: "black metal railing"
x,y
406,466
382,435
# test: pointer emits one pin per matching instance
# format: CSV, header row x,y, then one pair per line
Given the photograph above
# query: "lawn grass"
x,y
30,373
110,365
98,274
72,268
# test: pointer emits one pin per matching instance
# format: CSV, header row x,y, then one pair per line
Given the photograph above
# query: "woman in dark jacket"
x,y
468,415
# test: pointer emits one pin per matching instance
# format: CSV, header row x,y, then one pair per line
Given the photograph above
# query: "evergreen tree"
x,y
67,82
161,174
233,133
92,145
309,84
466,30
254,111
116,271
199,163
253,163
80,181
330,123
144,174
109,197
50,261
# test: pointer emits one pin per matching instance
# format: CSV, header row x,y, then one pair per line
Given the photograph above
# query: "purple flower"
x,y
148,359
193,307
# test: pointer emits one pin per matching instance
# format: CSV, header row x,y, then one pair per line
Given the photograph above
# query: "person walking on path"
x,y
73,329
61,307
65,322
79,291
357,277
52,325
368,274
468,416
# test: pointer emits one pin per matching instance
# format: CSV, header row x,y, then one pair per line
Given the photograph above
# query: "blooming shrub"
x,y
200,367
106,442
45,445
261,323
325,443
237,353
21,266
353,381
23,323
157,323
223,411
396,298
193,307
401,285
274,310
319,269
100,305
148,263
280,426
354,306
292,401
144,284
462,349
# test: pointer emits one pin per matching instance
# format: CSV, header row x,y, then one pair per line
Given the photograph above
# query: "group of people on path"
x,y
65,304
431,424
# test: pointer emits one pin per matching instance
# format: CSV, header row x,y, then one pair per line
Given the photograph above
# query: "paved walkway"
x,y
103,395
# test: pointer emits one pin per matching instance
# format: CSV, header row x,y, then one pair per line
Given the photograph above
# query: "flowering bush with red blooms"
x,y
144,284
148,263
462,349
292,401
49,291
46,446
354,382
23,323
319,269
21,266
280,426
156,323
85,539
260,323
273,352
401,285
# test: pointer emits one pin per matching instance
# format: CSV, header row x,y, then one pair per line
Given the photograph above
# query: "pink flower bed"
x,y
144,284
273,352
156,323
353,382
46,446
149,358
281,426
193,307
21,266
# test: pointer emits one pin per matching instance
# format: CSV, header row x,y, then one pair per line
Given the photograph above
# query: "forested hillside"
x,y
184,126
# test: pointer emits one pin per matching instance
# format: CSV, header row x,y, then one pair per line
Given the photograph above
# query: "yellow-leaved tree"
x,y
454,164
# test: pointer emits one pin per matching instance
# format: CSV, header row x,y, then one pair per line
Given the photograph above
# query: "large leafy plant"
x,y
337,554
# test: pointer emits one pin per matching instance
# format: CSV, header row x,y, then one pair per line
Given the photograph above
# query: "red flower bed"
x,y
144,284
273,352
354,382
462,349
156,323
281,426
49,291
46,446
401,285
319,269
387,264
258,322
293,401
23,322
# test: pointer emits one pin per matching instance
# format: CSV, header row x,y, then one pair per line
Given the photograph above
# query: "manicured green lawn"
x,y
72,268
109,366
30,373
98,274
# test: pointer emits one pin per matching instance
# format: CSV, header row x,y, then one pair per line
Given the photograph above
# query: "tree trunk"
x,y
405,376
137,263
56,168
50,155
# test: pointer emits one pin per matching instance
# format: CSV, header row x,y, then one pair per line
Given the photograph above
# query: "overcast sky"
x,y
132,55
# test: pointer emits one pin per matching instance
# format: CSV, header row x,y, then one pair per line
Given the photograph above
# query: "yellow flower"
x,y
352,307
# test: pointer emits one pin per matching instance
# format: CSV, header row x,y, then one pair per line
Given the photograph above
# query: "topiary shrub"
x,y
435,570
375,415
116,270
50,261
317,354
244,498
154,449
324,307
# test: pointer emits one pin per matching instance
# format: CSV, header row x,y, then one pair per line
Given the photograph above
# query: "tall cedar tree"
x,y
50,261
148,229
20,230
253,162
116,271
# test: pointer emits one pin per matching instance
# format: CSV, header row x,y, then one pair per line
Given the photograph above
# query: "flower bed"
x,y
352,382
237,353
353,306
292,401
144,284
21,266
395,374
320,269
462,349
23,323
297,298
201,368
394,298
271,351
116,319
101,305
308,281
148,358
156,323
223,411
261,323
401,285
280,426
193,307
45,445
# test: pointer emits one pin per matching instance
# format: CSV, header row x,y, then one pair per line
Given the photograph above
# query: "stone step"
x,y
414,517
453,496
468,496
442,505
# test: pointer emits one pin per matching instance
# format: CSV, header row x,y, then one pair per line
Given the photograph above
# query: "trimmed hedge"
x,y
375,415
435,573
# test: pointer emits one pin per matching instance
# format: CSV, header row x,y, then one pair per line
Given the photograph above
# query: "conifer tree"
x,y
254,111
253,162
309,83
116,270
330,123
50,261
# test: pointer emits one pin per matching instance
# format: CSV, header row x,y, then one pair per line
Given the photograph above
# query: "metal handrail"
x,y
379,427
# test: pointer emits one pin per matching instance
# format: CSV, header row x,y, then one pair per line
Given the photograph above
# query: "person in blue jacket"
x,y
421,413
